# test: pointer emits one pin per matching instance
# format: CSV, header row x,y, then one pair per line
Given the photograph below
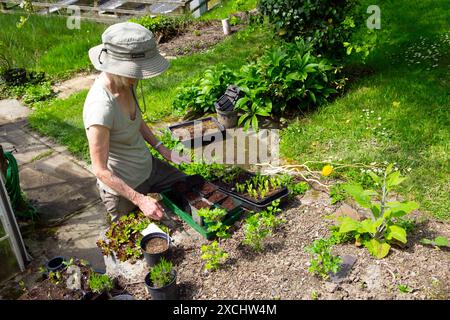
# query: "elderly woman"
x,y
125,169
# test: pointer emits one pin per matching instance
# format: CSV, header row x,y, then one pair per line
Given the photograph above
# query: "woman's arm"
x,y
98,137
148,136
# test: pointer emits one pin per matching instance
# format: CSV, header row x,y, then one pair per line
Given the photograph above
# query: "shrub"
x,y
289,77
321,21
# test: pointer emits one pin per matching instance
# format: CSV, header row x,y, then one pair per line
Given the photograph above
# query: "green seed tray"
x,y
232,217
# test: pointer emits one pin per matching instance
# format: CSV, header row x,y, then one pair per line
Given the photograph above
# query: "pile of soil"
x,y
197,37
281,270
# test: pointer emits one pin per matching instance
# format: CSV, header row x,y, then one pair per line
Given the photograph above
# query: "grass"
x,y
46,44
408,120
62,119
227,7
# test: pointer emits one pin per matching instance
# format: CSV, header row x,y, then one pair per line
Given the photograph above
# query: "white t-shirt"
x,y
129,157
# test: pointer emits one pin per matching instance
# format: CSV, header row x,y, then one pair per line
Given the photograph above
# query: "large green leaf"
x,y
399,209
361,196
441,241
394,179
377,249
348,224
396,232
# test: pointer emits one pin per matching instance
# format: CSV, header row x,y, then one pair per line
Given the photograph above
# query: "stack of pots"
x,y
169,291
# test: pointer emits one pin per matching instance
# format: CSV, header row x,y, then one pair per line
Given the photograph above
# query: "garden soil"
x,y
281,270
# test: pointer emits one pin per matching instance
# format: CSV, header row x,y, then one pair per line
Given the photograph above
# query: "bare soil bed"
x,y
280,271
197,37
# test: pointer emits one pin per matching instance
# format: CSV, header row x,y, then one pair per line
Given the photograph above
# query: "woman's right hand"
x,y
150,207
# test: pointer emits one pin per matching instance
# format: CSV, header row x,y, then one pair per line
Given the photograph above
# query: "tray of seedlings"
x,y
190,201
197,132
254,191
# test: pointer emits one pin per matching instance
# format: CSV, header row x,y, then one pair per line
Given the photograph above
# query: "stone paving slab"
x,y
12,110
13,136
58,186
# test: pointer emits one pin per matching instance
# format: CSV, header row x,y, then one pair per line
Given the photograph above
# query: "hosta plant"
x,y
384,227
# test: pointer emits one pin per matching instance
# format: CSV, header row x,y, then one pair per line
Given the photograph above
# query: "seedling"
x,y
161,273
55,277
213,255
213,219
322,261
404,288
258,226
439,241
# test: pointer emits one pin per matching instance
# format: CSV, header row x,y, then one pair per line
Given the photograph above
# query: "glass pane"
x,y
8,262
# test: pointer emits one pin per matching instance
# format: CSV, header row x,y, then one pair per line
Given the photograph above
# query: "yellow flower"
x,y
327,170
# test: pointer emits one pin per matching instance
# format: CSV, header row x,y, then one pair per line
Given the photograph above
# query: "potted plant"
x,y
161,281
154,246
100,286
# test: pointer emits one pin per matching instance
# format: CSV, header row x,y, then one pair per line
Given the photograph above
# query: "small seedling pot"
x,y
55,264
153,258
194,211
168,292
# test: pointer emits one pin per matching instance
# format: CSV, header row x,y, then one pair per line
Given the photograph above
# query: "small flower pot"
x,y
55,264
158,239
168,292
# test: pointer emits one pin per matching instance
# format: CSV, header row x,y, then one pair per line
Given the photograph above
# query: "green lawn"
x,y
46,44
399,114
227,7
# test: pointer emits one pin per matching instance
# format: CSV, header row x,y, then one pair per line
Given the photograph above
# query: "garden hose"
x,y
13,188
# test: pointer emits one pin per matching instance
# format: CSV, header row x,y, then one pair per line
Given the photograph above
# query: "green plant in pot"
x,y
161,281
100,285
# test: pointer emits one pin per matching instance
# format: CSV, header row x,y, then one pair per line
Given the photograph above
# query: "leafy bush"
x,y
213,255
385,225
37,92
124,236
321,21
323,262
286,78
163,26
200,94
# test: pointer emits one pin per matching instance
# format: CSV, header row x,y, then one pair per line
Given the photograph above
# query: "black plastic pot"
x,y
55,264
168,292
153,258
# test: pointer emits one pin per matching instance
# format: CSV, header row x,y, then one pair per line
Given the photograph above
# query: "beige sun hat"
x,y
128,49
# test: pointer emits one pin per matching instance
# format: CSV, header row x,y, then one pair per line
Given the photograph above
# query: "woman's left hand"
x,y
173,156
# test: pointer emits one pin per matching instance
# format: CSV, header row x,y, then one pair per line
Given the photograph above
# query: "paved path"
x,y
61,188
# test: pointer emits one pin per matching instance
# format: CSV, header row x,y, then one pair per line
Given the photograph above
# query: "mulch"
x,y
281,270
